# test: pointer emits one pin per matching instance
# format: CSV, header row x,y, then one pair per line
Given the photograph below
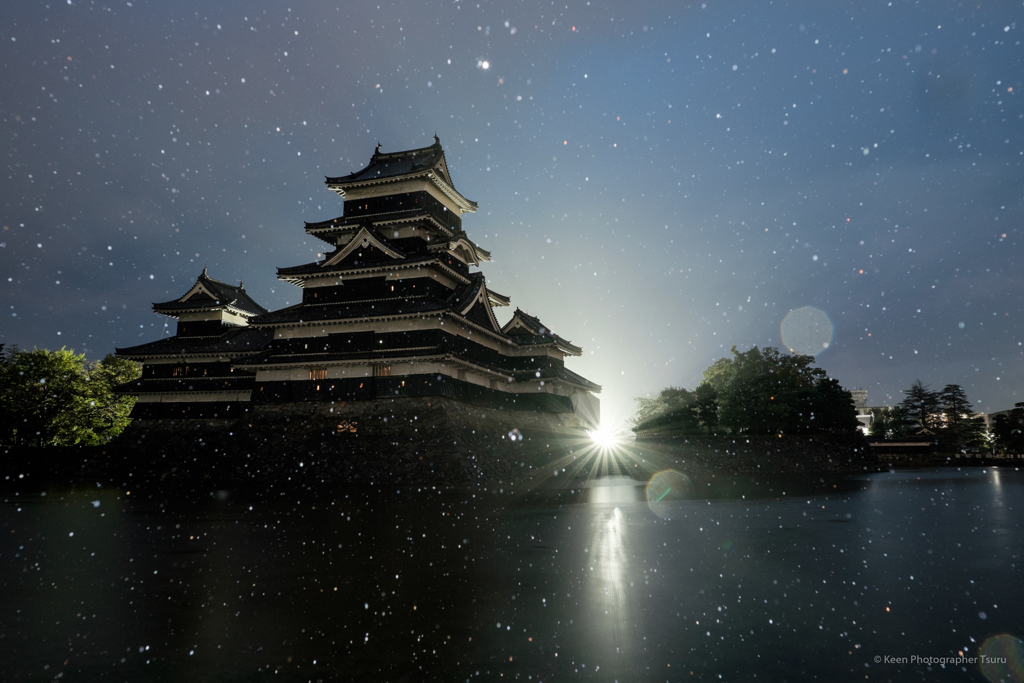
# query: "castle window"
x,y
318,373
381,370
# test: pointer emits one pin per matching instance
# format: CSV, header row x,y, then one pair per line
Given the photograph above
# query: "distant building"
x,y
860,400
393,310
860,404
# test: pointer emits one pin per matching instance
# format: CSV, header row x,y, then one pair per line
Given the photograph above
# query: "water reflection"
x,y
615,490
608,549
584,578
615,626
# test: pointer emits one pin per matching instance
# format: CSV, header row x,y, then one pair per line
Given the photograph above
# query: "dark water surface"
x,y
746,580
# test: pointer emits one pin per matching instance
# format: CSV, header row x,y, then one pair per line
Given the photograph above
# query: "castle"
x,y
394,310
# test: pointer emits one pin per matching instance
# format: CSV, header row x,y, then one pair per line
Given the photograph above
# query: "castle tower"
x,y
192,374
395,308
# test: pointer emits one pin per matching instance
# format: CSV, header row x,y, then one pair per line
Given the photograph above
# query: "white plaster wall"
x,y
195,397
179,359
223,316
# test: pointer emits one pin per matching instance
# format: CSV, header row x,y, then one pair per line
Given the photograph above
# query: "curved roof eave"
x,y
467,205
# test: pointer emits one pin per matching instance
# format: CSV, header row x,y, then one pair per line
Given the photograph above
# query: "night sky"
x,y
657,181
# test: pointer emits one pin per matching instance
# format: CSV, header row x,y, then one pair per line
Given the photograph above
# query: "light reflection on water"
x,y
615,490
585,579
615,624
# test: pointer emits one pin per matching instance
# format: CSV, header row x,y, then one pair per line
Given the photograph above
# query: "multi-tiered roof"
x,y
394,308
191,374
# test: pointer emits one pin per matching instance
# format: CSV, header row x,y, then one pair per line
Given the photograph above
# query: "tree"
x,y
58,398
705,404
673,409
889,423
833,409
1008,430
958,428
762,391
667,400
921,405
720,373
750,388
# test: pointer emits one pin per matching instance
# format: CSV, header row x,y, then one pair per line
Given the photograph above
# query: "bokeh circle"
x,y
1002,659
665,488
806,330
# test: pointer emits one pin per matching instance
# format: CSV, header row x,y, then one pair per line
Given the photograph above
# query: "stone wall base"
x,y
423,440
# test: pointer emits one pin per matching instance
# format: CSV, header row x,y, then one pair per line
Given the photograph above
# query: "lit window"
x,y
381,370
318,373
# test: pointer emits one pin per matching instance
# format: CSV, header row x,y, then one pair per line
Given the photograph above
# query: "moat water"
x,y
853,578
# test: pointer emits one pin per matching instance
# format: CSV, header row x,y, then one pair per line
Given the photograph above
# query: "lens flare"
x,y
807,330
665,488
1002,658
605,437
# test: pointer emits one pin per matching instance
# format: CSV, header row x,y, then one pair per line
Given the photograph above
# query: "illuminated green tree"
x,y
763,391
760,391
705,405
58,398
679,411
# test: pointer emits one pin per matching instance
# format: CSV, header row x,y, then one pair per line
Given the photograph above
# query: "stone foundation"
x,y
421,440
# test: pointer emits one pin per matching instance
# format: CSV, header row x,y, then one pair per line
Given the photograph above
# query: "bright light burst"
x,y
605,437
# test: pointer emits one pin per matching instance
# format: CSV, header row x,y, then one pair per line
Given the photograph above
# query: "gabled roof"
x,y
524,324
383,167
472,302
362,239
528,330
210,294
464,249
498,299
298,274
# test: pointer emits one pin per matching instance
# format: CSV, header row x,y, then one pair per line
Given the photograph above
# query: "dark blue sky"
x,y
657,181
